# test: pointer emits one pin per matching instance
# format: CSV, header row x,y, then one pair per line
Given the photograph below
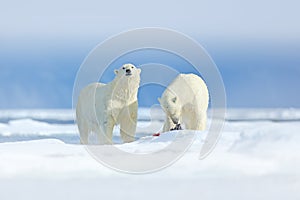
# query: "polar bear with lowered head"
x,y
102,106
185,101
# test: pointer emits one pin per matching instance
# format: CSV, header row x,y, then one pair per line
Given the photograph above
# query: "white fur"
x,y
185,101
101,106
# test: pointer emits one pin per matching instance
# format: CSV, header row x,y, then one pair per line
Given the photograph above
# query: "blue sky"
x,y
255,45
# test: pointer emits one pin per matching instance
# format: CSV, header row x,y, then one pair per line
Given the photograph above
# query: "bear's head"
x,y
171,106
126,82
128,70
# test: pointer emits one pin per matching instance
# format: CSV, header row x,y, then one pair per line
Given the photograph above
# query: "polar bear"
x,y
102,106
185,101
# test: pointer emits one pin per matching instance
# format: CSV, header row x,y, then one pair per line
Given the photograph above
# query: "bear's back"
x,y
88,95
89,91
191,89
188,85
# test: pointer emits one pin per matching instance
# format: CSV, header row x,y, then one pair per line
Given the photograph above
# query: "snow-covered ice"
x,y
257,157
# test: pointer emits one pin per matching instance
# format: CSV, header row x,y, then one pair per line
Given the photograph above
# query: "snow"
x,y
257,157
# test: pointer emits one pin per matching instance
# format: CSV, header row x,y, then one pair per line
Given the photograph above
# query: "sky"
x,y
255,45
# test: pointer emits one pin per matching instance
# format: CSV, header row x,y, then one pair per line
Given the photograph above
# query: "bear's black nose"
x,y
128,71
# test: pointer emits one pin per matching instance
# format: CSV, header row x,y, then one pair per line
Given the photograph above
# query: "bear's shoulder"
x,y
189,76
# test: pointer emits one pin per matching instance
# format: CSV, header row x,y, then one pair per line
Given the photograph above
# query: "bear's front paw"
x,y
177,127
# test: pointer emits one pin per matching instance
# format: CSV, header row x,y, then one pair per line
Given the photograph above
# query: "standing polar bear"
x,y
185,101
101,106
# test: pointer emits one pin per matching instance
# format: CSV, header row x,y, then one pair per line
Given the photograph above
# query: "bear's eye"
x,y
131,67
123,67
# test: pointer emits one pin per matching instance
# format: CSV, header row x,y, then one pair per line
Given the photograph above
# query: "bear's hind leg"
x,y
199,122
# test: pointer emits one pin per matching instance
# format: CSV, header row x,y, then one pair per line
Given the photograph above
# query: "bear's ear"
x,y
116,71
174,99
159,100
139,70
